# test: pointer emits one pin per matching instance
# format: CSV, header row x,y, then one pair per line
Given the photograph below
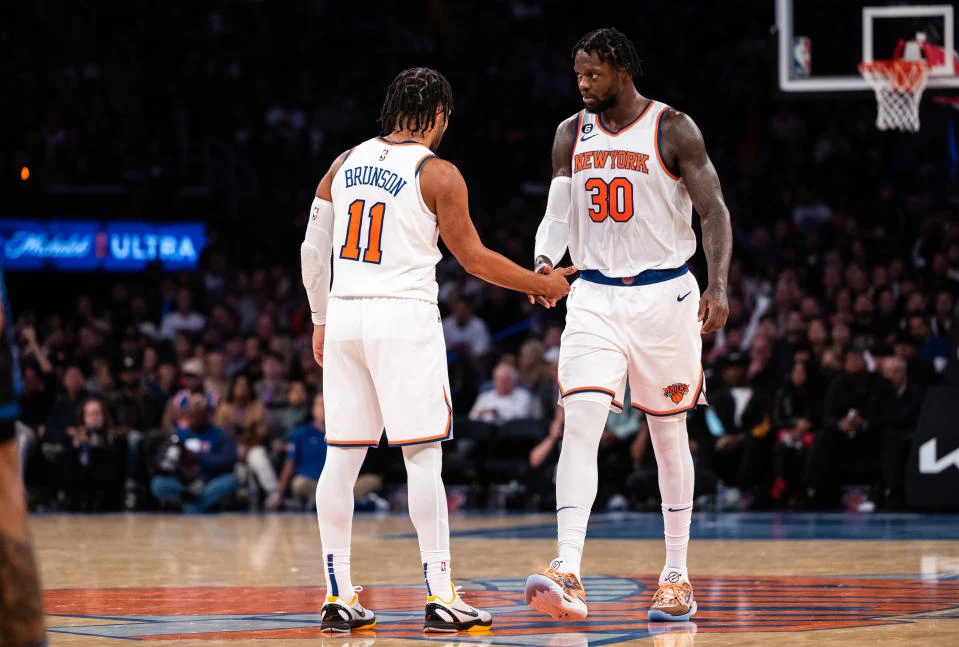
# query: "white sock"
x,y
676,480
428,511
437,574
577,477
338,582
334,513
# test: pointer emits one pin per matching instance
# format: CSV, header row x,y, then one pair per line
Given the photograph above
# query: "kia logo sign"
x,y
113,246
929,464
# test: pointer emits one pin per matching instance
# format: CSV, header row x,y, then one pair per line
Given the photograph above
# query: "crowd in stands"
x,y
198,391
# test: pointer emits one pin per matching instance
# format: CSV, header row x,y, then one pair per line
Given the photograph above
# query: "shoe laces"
x,y
667,593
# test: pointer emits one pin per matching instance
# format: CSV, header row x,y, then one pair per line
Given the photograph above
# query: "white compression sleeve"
x,y
315,255
552,237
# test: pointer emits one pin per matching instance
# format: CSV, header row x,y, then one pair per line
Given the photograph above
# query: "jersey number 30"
x,y
351,248
613,199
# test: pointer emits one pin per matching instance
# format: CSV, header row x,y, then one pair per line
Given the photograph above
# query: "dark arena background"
x,y
159,160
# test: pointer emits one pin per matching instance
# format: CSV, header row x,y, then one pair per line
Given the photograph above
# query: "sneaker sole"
x,y
344,627
545,595
655,615
476,626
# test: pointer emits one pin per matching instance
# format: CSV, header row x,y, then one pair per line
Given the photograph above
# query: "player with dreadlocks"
x,y
379,211
627,172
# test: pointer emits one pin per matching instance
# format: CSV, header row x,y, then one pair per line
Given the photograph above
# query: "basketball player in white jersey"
x,y
627,172
379,211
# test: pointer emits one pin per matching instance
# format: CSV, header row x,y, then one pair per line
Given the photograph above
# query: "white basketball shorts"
x,y
384,365
648,333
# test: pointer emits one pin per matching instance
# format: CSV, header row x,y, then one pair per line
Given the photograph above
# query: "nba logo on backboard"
x,y
802,57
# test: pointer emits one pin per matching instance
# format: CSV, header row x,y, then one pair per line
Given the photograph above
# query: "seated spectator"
x,y
64,413
466,333
897,443
197,464
193,374
245,418
92,470
216,375
796,416
273,390
305,457
540,479
296,411
931,347
506,401
858,410
740,415
183,318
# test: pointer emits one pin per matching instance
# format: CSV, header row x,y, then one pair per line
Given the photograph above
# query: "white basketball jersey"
x,y
384,236
629,212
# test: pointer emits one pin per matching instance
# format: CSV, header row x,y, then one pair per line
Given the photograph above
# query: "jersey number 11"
x,y
351,248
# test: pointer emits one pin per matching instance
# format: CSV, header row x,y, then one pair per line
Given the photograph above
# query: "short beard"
x,y
603,104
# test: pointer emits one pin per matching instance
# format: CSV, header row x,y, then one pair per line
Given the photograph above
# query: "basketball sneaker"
x,y
340,616
557,593
455,615
673,603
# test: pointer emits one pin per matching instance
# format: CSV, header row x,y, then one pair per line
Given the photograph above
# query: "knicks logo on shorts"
x,y
676,392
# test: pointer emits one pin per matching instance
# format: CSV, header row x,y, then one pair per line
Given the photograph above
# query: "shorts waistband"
x,y
643,278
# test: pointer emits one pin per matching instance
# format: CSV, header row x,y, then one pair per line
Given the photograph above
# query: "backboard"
x,y
821,42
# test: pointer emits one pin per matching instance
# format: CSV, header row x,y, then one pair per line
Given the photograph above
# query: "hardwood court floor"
x,y
258,580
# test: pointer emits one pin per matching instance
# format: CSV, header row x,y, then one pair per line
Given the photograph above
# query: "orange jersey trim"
x,y
695,401
599,121
352,443
430,439
657,135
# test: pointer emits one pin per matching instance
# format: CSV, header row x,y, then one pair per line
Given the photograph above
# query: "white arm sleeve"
x,y
552,237
315,257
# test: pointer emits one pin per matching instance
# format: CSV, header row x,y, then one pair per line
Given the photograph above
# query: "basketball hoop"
x,y
898,85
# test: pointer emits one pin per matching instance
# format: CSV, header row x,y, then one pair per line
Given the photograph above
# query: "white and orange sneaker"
x,y
673,603
557,593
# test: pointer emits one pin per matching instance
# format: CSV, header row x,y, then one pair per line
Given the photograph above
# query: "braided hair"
x,y
412,99
611,45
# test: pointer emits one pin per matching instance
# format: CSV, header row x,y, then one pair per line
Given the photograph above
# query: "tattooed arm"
x,y
21,603
686,152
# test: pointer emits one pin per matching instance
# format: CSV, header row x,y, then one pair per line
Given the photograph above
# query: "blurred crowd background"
x,y
198,390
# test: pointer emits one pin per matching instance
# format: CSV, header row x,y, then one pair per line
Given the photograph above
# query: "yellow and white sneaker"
x,y
454,616
340,616
557,593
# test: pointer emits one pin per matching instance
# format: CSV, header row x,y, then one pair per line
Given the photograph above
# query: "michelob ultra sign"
x,y
90,245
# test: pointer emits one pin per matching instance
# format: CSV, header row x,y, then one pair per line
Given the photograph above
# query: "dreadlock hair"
x,y
611,45
412,99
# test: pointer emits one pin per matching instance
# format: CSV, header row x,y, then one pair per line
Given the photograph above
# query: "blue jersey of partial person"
x,y
214,449
374,176
10,406
307,449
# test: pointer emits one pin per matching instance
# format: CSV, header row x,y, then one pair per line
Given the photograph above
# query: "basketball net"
x,y
898,85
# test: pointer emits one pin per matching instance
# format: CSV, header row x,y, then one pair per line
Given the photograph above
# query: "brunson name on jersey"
x,y
374,176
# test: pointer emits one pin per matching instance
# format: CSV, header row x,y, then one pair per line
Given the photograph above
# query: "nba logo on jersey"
x,y
383,155
676,392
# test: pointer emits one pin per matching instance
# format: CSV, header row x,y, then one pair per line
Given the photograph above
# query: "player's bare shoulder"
x,y
563,143
439,179
681,137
